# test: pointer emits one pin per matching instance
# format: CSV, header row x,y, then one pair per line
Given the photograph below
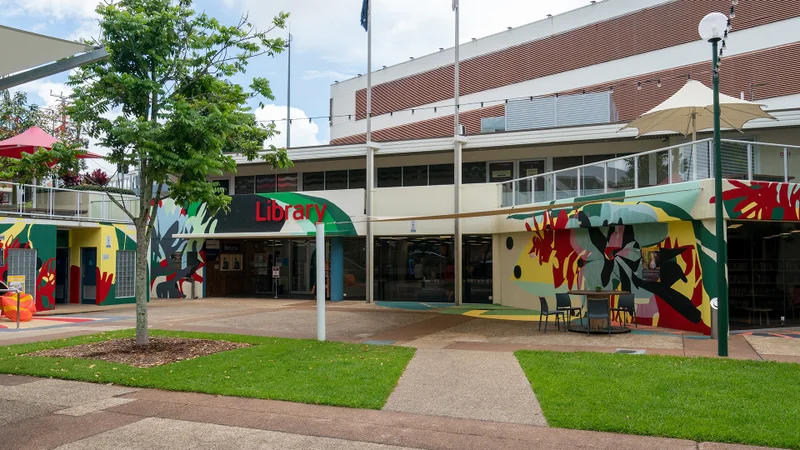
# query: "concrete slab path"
x,y
152,419
466,384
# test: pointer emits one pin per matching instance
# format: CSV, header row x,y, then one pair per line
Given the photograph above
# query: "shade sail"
x,y
23,50
691,109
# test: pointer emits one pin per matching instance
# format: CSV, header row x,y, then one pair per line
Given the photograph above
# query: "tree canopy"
x,y
164,103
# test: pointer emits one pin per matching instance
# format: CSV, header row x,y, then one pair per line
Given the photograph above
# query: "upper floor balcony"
x,y
693,161
29,201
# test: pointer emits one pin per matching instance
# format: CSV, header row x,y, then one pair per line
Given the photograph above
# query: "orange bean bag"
x,y
27,306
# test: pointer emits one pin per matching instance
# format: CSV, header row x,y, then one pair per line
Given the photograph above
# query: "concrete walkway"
x,y
46,414
466,384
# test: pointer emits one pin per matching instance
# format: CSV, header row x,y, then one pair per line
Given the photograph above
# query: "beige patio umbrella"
x,y
692,109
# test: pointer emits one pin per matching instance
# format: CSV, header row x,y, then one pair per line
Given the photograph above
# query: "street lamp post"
x,y
712,28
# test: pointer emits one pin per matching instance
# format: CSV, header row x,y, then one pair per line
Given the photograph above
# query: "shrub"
x,y
71,179
98,178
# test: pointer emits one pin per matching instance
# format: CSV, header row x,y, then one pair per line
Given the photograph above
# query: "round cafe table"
x,y
598,326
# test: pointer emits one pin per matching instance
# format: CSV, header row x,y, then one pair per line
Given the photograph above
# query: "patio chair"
x,y
545,312
564,303
598,309
626,305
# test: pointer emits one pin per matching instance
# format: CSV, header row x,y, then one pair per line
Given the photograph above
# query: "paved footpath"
x,y
456,383
43,414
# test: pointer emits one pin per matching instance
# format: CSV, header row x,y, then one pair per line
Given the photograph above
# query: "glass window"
x,y
314,181
588,159
474,172
477,269
358,178
224,184
501,171
287,182
265,184
565,162
126,273
439,174
335,179
390,177
245,185
493,124
415,176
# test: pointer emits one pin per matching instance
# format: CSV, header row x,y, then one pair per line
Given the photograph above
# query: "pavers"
x,y
61,392
155,433
467,384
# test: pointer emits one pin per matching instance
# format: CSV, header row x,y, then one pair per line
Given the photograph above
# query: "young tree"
x,y
168,74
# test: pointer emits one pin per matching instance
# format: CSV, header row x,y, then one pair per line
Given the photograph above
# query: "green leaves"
x,y
163,102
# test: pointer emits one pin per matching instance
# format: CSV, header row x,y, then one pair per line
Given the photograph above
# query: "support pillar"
x,y
337,269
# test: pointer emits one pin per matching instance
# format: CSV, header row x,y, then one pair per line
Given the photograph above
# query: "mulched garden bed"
x,y
159,351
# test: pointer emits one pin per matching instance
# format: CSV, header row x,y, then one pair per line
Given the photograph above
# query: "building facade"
x,y
556,195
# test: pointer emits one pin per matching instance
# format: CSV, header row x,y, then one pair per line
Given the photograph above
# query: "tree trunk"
x,y
142,283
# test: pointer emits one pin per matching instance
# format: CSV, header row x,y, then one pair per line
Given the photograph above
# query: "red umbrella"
x,y
30,140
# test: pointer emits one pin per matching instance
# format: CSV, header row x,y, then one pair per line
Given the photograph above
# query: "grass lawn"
x,y
702,399
306,371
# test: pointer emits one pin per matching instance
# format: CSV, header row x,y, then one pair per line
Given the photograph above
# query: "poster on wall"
x,y
226,262
651,264
16,282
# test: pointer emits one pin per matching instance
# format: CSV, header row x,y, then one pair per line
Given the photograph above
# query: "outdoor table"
x,y
598,326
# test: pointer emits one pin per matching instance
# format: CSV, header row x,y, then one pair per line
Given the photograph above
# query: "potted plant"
x,y
597,288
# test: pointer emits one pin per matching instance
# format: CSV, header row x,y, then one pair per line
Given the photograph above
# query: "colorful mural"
x,y
285,212
653,249
19,234
168,275
758,200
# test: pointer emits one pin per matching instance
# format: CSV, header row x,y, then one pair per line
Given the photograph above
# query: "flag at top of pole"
x,y
365,14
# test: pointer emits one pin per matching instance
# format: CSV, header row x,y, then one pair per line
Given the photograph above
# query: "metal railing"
x,y
692,161
27,200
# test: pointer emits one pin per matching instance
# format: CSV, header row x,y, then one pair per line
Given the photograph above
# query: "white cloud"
x,y
326,74
304,133
400,28
58,9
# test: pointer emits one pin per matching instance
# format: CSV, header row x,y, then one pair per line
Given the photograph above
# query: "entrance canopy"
x,y
27,56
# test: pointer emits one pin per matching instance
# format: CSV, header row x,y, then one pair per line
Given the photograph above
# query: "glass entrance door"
x,y
303,268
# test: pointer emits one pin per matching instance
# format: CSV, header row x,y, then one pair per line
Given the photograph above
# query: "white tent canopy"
x,y
691,109
26,56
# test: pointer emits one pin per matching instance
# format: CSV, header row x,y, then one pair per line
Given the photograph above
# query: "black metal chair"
x,y
545,312
626,305
564,303
598,309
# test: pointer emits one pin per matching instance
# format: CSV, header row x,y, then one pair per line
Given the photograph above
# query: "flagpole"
x,y
457,142
370,275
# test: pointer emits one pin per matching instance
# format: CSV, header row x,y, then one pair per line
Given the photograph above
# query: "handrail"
x,y
608,161
699,167
29,200
765,144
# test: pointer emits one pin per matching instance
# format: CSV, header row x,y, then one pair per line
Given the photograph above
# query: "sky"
x,y
328,43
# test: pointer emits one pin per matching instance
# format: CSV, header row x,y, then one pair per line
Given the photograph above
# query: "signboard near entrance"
x,y
276,272
16,282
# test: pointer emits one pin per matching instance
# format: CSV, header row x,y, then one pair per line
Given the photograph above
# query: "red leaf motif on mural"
x,y
104,282
46,282
548,243
761,200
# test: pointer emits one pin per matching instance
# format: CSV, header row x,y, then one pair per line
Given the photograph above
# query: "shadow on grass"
x,y
296,370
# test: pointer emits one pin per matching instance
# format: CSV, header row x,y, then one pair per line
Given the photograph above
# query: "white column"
x,y
320,281
457,142
370,269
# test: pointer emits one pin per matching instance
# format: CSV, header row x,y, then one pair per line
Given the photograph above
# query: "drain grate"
x,y
628,351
